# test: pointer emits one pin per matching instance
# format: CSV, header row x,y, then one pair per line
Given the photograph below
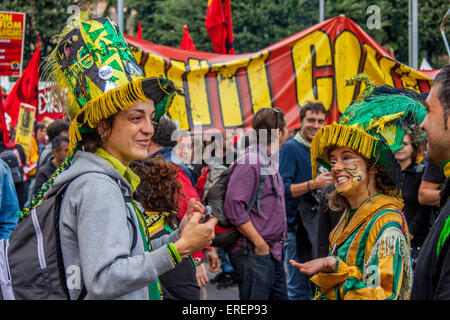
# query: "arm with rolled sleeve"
x,y
241,187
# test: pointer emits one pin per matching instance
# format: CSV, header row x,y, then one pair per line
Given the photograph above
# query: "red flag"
x,y
26,88
186,42
139,31
3,126
219,26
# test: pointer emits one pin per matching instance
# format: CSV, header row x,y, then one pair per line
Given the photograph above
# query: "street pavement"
x,y
212,293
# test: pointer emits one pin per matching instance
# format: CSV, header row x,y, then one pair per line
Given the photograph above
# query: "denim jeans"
x,y
298,284
259,277
225,263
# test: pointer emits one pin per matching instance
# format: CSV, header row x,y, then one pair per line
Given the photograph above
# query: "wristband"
x,y
444,164
309,187
173,253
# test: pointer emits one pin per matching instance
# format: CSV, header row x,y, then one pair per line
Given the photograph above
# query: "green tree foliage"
x,y
162,21
44,18
394,25
257,24
260,23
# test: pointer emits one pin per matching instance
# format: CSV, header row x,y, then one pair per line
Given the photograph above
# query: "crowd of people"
x,y
350,210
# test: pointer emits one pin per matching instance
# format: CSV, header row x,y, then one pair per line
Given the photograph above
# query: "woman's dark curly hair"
x,y
159,190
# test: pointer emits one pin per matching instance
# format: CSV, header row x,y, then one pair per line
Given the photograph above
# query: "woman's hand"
x,y
327,264
193,206
195,235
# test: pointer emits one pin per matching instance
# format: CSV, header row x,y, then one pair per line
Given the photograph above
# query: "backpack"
x,y
214,196
11,157
31,263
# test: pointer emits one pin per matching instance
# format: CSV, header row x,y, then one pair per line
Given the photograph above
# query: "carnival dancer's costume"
x,y
93,64
371,243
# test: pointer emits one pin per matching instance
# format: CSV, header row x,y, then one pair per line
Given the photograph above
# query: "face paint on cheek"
x,y
356,173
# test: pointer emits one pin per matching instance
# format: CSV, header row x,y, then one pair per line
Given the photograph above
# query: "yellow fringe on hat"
x,y
105,106
340,136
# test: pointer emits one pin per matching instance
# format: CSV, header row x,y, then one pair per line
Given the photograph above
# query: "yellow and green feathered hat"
x,y
94,63
374,126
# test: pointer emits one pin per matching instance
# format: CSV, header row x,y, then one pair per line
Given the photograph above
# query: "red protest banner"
x,y
224,91
26,88
12,35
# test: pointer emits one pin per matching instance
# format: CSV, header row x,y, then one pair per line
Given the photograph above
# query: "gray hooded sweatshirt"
x,y
97,228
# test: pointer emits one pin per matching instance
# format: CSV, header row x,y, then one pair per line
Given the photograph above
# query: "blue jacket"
x,y
9,205
295,167
166,152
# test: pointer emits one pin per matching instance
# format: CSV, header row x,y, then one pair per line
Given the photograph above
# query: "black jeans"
x,y
259,277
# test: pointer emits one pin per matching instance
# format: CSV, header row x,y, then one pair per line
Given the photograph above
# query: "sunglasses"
x,y
276,110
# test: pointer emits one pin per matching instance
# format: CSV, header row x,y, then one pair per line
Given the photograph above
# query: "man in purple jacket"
x,y
258,256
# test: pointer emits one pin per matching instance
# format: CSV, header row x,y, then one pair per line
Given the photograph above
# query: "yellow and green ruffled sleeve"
x,y
386,274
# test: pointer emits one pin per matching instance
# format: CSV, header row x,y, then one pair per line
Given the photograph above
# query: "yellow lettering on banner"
x,y
258,82
178,109
347,57
198,98
319,43
386,66
154,66
137,53
228,91
378,71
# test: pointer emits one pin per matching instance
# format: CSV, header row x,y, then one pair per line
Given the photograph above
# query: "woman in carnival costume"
x,y
369,255
105,244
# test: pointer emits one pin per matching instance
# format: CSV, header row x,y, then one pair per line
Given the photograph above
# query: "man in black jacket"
x,y
432,274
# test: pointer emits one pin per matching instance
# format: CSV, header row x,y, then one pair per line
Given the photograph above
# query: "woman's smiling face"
x,y
130,135
349,171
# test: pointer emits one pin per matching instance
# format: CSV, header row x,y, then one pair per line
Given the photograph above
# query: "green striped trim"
x,y
352,283
344,248
445,231
397,267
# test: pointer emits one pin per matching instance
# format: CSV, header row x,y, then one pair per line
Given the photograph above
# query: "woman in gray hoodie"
x,y
106,249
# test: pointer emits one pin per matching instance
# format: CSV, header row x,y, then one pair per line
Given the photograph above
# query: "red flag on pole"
x,y
219,26
4,127
25,89
139,31
186,42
